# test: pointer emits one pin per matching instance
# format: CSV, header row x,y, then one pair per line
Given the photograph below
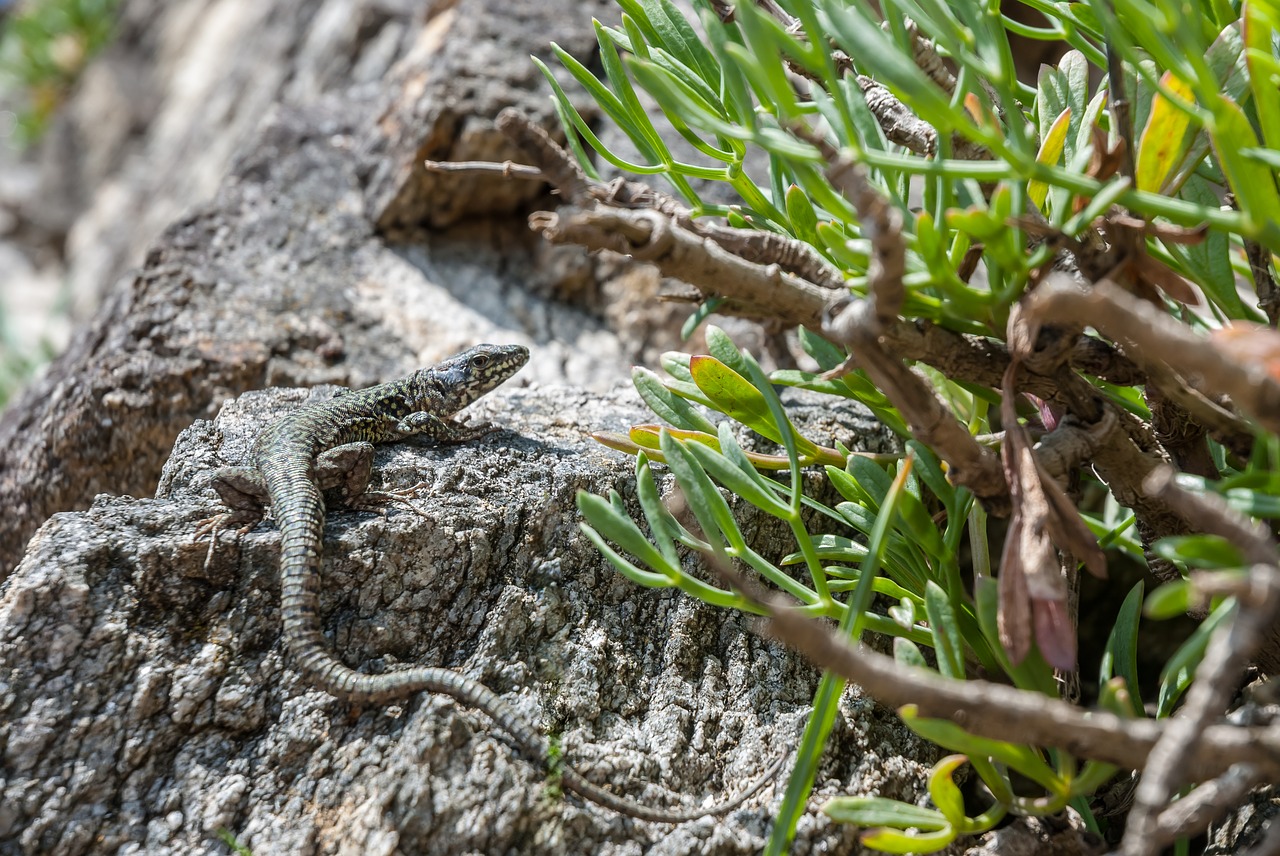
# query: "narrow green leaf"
x,y
944,792
804,220
917,523
676,364
720,346
705,309
1075,72
879,811
1121,655
892,841
681,40
850,489
621,530
706,503
638,125
630,571
723,470
1209,262
667,405
808,759
1253,184
663,526
1180,669
825,354
566,108
1051,100
1024,759
1200,551
947,640
1169,601
861,38
929,468
1261,18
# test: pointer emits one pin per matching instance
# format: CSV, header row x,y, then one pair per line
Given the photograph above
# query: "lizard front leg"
x,y
442,430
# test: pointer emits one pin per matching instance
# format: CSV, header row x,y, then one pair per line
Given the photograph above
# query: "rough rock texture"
x,y
281,278
145,697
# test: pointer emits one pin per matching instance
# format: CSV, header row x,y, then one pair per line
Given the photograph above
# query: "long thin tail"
x,y
299,510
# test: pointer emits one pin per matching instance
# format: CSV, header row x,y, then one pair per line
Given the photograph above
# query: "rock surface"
x,y
281,278
145,698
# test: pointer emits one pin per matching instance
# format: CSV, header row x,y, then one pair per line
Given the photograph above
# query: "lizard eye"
x,y
480,361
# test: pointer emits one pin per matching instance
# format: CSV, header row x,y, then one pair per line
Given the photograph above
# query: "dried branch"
x,y
900,125
881,224
1002,712
1170,762
858,323
1210,513
930,420
559,167
562,172
1264,283
1218,676
1154,340
1093,356
1190,815
924,52
753,290
506,169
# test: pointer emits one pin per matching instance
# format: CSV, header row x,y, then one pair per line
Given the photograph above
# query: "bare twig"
x,y
1210,513
1192,814
881,224
1170,762
858,324
1093,356
1218,676
924,52
931,422
754,290
1264,283
561,170
506,169
1122,117
1150,337
900,125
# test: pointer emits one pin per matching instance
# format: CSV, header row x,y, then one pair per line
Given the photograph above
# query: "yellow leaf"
x,y
1164,141
1050,152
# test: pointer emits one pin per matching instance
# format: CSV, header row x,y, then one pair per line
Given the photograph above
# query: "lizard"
x,y
329,444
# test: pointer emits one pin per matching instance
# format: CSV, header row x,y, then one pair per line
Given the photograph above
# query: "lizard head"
x,y
475,371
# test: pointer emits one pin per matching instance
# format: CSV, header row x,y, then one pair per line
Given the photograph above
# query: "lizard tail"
x,y
576,783
299,509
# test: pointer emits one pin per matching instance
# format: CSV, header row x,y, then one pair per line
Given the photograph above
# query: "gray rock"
x,y
146,703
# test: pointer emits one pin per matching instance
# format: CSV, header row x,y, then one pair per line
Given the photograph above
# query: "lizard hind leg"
x,y
244,493
349,468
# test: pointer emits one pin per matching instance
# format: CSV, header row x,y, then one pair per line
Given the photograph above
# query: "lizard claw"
x,y
211,526
376,501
